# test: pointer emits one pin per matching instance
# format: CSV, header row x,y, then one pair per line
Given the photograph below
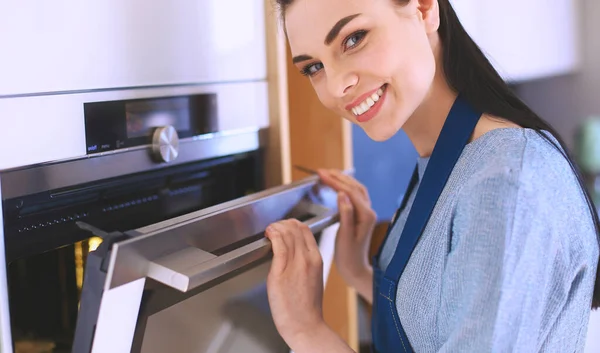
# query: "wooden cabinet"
x,y
302,132
525,40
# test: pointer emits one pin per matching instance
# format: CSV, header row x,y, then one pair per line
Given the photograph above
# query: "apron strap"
x,y
411,185
454,136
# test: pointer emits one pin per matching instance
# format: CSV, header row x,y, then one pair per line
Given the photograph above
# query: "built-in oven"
x,y
151,242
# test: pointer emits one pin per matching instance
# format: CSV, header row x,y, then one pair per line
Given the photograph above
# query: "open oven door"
x,y
208,268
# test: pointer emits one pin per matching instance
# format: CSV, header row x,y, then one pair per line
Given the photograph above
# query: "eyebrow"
x,y
301,58
333,33
335,30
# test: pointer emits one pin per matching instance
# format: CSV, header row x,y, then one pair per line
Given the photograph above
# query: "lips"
x,y
361,99
368,105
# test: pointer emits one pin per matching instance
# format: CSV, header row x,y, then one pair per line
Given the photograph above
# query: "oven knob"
x,y
165,144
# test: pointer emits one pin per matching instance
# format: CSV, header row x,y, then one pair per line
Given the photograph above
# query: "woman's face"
x,y
369,61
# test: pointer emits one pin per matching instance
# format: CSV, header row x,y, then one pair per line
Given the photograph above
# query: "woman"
x,y
495,246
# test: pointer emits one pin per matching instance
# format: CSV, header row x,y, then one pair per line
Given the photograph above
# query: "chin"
x,y
381,133
383,127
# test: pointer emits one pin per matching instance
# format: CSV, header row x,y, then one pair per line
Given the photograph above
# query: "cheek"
x,y
409,67
407,64
414,69
380,61
323,94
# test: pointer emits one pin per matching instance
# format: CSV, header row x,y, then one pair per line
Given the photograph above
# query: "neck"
x,y
424,126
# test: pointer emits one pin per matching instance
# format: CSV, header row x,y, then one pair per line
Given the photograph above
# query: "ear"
x,y
430,13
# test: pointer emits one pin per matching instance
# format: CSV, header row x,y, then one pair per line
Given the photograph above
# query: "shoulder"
x,y
506,161
519,183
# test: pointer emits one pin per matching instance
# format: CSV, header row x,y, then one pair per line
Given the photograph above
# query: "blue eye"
x,y
350,42
354,39
311,69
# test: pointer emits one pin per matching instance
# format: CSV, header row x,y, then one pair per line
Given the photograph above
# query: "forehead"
x,y
309,21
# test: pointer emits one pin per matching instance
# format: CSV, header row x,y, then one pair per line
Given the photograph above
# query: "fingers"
x,y
342,182
346,214
310,258
354,190
352,183
300,243
297,235
281,252
312,247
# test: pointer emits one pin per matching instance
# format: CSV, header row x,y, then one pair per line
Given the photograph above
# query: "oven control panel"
x,y
158,122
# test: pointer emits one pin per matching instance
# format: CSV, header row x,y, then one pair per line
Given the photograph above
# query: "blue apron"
x,y
387,332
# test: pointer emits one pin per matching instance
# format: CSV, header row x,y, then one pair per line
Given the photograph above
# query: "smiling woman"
x,y
495,246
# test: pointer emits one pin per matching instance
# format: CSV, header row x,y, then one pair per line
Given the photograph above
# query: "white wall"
x,y
566,101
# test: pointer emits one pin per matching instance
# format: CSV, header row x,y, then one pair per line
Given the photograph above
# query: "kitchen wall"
x,y
566,101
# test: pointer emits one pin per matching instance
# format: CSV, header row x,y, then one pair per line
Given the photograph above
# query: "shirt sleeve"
x,y
502,263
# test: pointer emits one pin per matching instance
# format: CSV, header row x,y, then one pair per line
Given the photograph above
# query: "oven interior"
x,y
46,252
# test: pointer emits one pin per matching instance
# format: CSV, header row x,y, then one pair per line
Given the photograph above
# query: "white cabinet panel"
x,y
524,39
62,45
47,128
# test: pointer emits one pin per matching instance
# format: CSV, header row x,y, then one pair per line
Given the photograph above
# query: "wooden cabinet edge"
x,y
278,155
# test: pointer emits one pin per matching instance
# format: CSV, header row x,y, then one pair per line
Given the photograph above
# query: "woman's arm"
x,y
353,240
507,277
295,290
363,284
321,340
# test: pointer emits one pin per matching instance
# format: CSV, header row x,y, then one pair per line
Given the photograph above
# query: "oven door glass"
x,y
195,283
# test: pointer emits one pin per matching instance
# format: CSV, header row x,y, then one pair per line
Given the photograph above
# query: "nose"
x,y
340,82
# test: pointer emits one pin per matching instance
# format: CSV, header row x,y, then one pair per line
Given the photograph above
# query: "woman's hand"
x,y
295,290
357,222
295,282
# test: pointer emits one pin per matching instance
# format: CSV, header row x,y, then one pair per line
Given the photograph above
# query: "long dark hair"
x,y
469,72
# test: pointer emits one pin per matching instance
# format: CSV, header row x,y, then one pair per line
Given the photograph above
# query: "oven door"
x,y
195,283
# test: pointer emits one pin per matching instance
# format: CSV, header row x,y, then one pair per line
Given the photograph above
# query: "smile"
x,y
368,103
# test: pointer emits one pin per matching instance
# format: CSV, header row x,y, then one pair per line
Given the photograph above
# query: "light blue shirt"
x,y
508,259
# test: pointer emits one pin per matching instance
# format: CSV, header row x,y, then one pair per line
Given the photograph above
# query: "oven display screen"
x,y
142,117
115,125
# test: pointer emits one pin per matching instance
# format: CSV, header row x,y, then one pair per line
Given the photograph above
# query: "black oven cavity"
x,y
46,251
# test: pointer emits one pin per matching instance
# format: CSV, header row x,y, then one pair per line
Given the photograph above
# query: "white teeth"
x,y
364,106
368,103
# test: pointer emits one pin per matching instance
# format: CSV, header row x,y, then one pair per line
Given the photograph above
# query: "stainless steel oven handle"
x,y
185,278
